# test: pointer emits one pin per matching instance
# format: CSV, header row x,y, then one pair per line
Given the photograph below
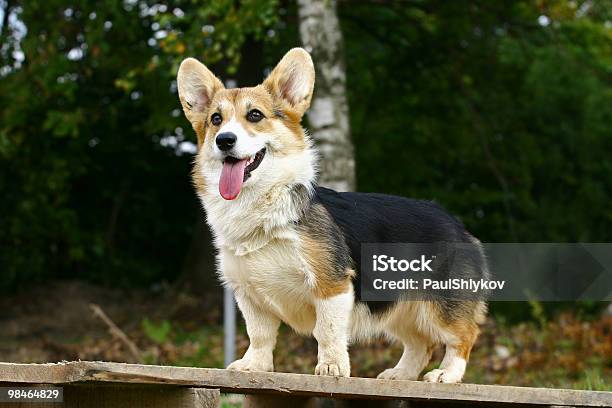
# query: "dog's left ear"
x,y
292,80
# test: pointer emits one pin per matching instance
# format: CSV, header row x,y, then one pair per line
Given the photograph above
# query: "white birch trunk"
x,y
328,116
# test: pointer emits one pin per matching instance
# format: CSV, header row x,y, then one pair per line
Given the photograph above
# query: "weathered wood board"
x,y
301,385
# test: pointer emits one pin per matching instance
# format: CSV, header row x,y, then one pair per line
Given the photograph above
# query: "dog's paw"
x,y
339,367
443,376
396,374
251,364
332,369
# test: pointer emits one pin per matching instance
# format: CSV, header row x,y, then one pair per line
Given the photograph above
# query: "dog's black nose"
x,y
225,141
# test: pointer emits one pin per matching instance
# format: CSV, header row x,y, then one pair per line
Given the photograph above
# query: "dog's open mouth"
x,y
237,171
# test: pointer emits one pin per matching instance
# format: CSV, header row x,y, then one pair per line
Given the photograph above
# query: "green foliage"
x,y
88,189
594,380
157,332
504,121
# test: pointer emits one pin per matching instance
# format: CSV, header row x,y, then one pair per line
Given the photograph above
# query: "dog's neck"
x,y
258,216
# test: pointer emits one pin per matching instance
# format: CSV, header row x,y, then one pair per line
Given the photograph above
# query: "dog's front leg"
x,y
262,328
331,331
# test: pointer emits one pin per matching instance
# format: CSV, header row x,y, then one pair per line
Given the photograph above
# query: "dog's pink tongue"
x,y
231,179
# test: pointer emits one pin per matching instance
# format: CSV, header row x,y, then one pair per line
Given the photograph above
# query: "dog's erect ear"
x,y
292,80
196,88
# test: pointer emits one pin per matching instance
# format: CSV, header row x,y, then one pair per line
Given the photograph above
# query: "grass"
x,y
563,353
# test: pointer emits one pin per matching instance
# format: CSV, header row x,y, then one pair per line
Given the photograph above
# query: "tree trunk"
x,y
328,116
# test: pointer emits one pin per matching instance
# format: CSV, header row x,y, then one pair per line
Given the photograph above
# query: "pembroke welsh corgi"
x,y
290,249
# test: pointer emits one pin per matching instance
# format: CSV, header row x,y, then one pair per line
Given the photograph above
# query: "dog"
x,y
290,249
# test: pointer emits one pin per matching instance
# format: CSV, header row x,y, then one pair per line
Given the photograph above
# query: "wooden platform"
x,y
103,384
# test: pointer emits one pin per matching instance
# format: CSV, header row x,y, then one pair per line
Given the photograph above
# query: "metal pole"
x,y
229,326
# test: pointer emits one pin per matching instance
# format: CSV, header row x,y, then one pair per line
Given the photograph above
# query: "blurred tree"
x,y
499,111
328,117
94,156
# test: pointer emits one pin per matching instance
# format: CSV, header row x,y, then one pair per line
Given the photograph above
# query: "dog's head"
x,y
249,138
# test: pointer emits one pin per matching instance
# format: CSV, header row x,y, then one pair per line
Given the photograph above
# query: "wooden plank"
x,y
295,384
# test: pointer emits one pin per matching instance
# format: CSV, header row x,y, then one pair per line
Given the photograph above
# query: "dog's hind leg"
x,y
455,359
416,355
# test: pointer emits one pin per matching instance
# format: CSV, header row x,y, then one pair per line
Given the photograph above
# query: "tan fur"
x,y
284,79
237,102
424,318
466,333
196,89
197,179
318,250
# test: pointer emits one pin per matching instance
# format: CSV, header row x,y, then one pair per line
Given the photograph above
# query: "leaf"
x,y
157,332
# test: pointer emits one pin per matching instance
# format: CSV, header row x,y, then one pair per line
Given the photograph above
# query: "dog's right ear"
x,y
196,88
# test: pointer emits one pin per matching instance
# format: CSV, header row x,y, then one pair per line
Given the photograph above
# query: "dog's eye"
x,y
254,115
216,119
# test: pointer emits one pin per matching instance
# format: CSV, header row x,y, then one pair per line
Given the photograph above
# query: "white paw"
x,y
251,364
397,374
443,376
340,368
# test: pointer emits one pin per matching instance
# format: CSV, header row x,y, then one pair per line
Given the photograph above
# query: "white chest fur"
x,y
259,253
275,278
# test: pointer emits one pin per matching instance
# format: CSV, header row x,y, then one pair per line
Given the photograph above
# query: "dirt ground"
x,y
54,322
